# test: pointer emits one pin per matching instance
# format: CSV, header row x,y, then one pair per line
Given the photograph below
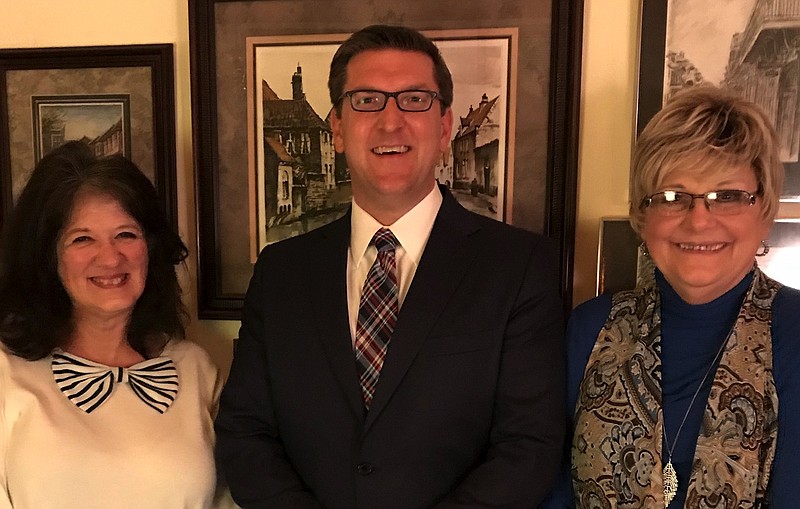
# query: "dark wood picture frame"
x,y
617,255
556,195
652,58
155,136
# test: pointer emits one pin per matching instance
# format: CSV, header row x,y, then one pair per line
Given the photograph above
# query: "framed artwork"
x,y
621,261
297,182
102,121
243,65
748,46
117,99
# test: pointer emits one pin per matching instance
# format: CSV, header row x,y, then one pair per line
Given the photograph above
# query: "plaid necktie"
x,y
377,313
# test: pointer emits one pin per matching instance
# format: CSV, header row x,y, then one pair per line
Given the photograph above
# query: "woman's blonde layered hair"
x,y
708,130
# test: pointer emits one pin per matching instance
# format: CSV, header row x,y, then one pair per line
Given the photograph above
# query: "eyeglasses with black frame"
x,y
723,202
415,101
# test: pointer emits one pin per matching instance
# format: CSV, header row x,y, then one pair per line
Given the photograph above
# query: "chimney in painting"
x,y
297,84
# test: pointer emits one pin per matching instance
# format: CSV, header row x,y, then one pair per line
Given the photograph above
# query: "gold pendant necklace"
x,y
670,483
668,474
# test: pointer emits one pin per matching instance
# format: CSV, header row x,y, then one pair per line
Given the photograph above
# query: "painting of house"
x,y
299,182
299,165
475,147
100,121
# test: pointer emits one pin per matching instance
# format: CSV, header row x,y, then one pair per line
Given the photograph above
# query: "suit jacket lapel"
x,y
328,288
444,262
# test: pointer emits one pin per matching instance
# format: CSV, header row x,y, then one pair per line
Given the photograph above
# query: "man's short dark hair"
x,y
379,37
35,309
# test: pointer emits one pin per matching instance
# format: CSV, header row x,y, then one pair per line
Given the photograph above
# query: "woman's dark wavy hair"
x,y
35,309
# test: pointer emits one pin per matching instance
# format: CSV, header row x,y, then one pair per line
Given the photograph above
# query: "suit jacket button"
x,y
365,468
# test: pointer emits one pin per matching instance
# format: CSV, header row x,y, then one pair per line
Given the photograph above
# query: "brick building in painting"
x,y
299,156
110,142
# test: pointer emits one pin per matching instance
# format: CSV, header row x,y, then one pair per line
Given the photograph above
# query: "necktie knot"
x,y
384,240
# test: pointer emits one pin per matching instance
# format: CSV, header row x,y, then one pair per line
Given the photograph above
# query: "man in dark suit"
x,y
425,370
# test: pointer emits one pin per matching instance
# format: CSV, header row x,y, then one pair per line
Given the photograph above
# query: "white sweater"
x,y
122,455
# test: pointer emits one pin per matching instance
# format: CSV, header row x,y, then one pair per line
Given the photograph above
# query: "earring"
x,y
764,249
643,250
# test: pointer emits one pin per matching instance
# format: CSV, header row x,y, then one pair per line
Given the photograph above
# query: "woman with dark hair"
x,y
101,403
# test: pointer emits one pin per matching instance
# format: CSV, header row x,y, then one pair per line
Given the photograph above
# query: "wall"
x,y
607,110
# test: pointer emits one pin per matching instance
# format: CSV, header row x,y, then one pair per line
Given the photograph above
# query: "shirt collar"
x,y
412,229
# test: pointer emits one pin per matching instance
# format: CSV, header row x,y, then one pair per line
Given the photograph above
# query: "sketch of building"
x,y
763,66
475,149
299,164
681,73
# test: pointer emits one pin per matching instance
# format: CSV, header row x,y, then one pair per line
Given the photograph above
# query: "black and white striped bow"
x,y
89,384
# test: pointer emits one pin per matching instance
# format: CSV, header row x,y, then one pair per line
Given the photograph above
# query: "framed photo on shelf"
x,y
621,261
747,46
618,256
117,99
243,63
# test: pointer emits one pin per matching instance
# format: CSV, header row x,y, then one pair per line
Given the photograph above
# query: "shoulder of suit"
x,y
503,231
493,226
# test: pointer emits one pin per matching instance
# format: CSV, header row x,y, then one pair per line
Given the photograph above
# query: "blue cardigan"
x,y
691,336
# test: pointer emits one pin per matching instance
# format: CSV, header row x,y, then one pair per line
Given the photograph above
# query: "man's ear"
x,y
447,129
336,127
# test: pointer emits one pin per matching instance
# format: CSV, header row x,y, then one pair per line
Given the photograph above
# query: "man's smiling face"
x,y
391,154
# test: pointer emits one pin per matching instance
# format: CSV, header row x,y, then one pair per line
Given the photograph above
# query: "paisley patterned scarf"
x,y
617,445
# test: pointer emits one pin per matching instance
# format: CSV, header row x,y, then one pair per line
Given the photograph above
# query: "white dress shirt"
x,y
411,230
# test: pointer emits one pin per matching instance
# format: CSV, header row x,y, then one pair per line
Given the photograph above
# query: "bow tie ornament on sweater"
x,y
89,384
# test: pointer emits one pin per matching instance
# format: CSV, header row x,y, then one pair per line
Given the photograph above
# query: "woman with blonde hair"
x,y
685,390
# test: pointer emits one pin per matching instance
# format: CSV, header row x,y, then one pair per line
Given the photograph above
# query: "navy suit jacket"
x,y
468,408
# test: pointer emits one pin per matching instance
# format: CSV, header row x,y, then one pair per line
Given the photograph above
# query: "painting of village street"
x,y
102,122
298,181
750,46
